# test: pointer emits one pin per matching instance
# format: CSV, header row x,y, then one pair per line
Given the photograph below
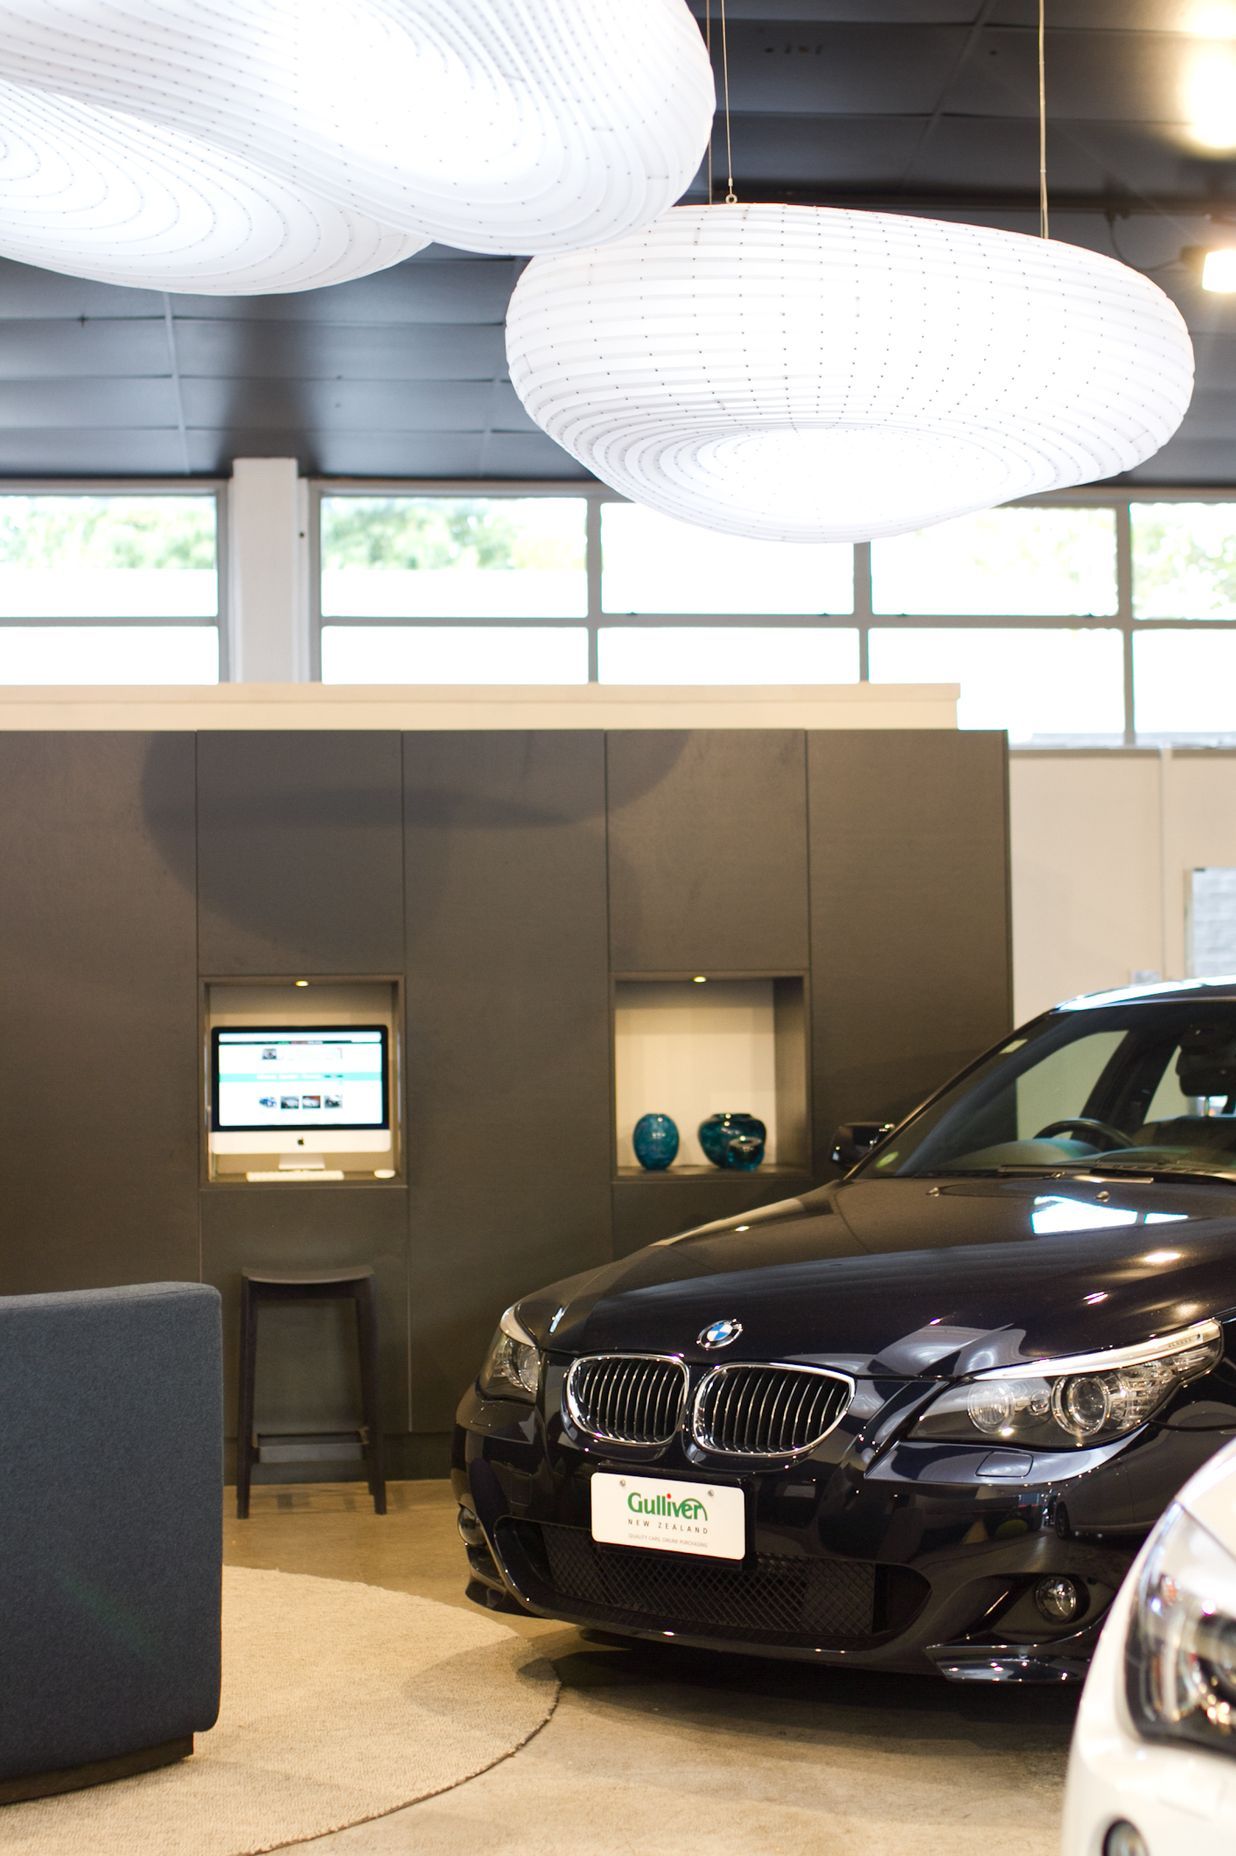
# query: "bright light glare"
x,y
1037,684
1184,684
1213,19
33,654
744,654
1219,270
652,563
1210,97
454,654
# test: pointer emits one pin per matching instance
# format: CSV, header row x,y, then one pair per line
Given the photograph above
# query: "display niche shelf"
x,y
691,1044
307,1071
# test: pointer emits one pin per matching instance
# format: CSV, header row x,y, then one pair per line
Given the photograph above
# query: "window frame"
x,y
862,618
98,487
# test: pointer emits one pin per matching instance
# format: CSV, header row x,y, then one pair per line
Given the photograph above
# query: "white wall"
x,y
1103,844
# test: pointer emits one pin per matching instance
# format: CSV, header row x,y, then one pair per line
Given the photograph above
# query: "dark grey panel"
x,y
82,404
355,406
971,154
810,150
508,1066
506,410
71,453
1098,77
847,68
890,12
299,852
307,1372
1099,16
334,351
419,290
31,349
26,292
515,454
660,1206
909,915
98,998
707,850
1205,462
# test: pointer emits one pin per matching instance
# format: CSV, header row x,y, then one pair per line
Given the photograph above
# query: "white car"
x,y
1153,1766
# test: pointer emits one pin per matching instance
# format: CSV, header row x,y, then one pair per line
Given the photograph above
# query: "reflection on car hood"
x,y
917,1277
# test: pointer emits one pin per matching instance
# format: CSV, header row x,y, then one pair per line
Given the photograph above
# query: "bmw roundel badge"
x,y
719,1334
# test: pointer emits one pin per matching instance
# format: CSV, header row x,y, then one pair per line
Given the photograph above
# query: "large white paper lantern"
x,y
514,126
99,194
804,373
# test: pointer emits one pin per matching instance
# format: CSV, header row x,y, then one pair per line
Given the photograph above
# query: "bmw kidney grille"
x,y
627,1398
739,1410
768,1410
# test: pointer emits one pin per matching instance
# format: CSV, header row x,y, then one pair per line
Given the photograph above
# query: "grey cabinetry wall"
x,y
98,989
707,850
508,1035
300,849
509,880
910,930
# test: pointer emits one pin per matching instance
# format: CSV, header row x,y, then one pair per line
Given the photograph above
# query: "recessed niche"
x,y
301,1081
690,1046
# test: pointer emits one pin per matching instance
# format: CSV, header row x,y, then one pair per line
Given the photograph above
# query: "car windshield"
x,y
1148,1087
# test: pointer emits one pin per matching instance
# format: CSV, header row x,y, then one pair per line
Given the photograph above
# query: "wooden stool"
x,y
354,1285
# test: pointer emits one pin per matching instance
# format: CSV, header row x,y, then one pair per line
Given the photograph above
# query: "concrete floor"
x,y
654,1749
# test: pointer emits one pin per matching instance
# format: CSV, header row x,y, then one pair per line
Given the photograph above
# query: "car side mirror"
x,y
854,1140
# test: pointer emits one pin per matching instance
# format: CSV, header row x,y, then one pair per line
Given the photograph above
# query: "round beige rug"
x,y
341,1703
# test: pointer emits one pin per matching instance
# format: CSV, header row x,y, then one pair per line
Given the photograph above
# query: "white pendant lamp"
x,y
100,194
336,136
814,374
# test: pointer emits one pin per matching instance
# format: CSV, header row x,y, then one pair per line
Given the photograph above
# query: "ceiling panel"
x,y
241,350
1091,76
60,350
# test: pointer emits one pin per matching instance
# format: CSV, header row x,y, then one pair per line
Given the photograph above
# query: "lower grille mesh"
x,y
829,1601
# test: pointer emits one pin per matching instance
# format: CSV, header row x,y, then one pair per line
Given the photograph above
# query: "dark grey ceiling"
x,y
923,104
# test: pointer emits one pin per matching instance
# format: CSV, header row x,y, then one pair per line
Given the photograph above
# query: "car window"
x,y
1064,1083
1142,1085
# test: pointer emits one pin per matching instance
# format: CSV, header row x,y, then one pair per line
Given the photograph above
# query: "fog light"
x,y
1125,1839
470,1530
1059,1600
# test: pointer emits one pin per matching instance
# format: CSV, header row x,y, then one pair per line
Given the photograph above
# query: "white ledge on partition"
x,y
416,706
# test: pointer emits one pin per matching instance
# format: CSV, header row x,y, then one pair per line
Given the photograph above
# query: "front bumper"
x,y
916,1557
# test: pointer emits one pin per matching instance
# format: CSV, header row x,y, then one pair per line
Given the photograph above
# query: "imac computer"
x,y
300,1092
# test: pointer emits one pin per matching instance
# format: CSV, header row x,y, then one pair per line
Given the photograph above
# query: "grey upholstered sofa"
x,y
110,1531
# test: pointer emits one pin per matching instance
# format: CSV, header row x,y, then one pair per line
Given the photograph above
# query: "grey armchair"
x,y
110,1531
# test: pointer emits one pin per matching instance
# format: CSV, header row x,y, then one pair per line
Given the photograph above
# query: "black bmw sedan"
x,y
920,1418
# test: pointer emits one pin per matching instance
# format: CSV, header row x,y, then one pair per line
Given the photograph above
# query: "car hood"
x,y
918,1278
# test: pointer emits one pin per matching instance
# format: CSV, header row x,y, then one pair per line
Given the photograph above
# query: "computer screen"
x,y
298,1079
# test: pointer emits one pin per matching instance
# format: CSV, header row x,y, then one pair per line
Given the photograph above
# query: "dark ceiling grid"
x,y
921,105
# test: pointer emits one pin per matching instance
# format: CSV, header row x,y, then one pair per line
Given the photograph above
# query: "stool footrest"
x,y
309,1447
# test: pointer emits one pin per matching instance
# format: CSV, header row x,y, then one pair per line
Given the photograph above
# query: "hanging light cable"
x,y
1044,228
731,198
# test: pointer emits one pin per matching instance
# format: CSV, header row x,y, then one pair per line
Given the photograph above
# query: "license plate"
x,y
669,1516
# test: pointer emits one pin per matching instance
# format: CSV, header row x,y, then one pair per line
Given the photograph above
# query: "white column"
x,y
268,629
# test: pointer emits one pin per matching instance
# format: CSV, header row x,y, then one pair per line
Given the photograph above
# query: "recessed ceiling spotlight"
x,y
1219,270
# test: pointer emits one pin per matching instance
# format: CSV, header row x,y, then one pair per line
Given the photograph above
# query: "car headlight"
x,y
1075,1400
512,1367
1180,1655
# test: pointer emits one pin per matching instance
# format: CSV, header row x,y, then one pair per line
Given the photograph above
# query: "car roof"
x,y
1157,992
